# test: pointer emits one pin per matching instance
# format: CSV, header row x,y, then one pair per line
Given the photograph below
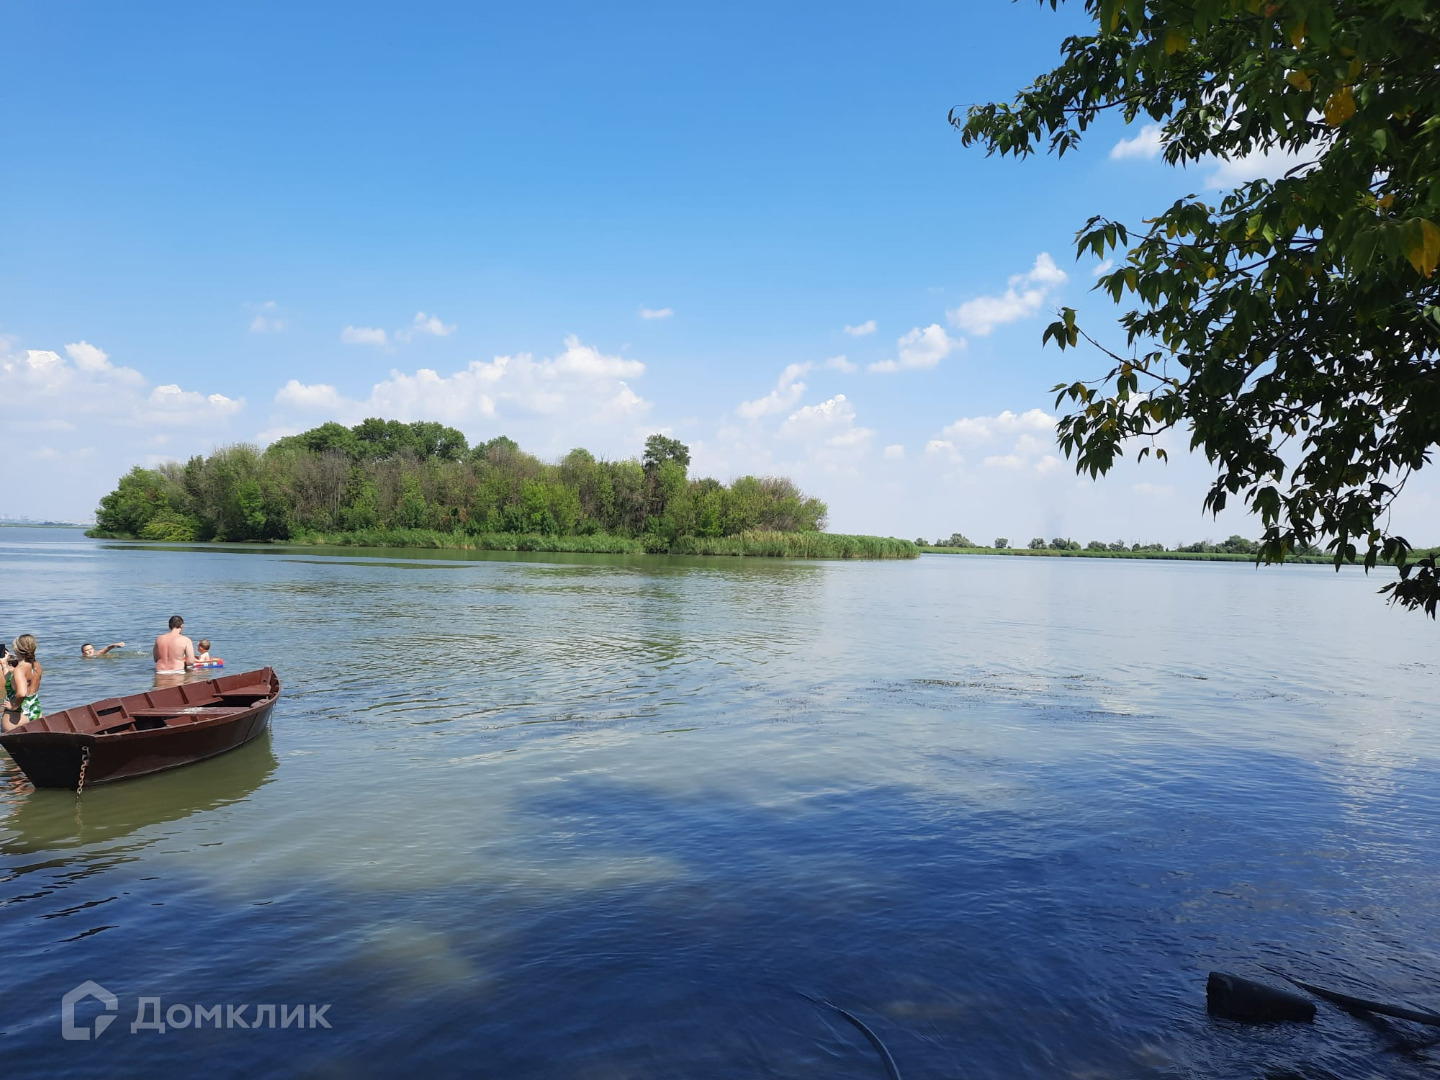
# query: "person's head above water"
x,y
176,622
87,649
204,645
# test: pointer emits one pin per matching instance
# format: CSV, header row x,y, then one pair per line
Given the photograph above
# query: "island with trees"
x,y
385,483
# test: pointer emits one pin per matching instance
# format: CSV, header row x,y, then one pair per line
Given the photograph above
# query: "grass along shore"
x,y
756,543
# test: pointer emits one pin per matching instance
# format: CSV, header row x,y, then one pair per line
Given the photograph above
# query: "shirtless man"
x,y
89,652
174,653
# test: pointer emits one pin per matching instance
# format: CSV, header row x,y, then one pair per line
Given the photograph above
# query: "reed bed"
x,y
806,545
781,545
594,544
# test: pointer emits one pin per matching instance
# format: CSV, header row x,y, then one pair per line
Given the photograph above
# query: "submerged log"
x,y
1355,1004
1235,998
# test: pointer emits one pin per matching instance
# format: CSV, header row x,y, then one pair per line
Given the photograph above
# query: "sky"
x,y
746,225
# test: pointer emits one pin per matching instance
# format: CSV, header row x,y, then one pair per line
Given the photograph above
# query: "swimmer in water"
x,y
174,652
89,652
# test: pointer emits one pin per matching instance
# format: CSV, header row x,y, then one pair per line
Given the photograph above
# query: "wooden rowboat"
x,y
119,738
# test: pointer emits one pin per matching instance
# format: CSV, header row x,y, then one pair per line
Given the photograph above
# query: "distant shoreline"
x,y
1172,556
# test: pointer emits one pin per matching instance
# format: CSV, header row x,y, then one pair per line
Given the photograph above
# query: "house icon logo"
x,y
67,1011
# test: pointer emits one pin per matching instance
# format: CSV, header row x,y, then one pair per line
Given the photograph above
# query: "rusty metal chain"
x,y
84,764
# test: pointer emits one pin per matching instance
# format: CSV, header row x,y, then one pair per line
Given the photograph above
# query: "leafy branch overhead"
x,y
1294,326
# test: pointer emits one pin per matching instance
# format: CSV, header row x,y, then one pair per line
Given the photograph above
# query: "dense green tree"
x,y
1002,542
385,474
661,448
1037,544
1294,326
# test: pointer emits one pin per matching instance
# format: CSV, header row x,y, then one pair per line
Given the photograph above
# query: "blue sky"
x,y
222,224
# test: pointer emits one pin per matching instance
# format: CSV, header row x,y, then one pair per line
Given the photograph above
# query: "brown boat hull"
x,y
202,728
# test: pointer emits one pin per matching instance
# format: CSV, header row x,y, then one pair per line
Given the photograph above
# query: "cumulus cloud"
x,y
894,452
1023,298
57,391
423,324
266,319
787,392
656,313
788,388
96,410
93,360
317,397
867,327
1005,441
580,387
1269,164
190,407
973,430
828,430
1145,145
919,350
364,335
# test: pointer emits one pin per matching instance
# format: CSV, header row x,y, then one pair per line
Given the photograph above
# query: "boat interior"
x,y
172,706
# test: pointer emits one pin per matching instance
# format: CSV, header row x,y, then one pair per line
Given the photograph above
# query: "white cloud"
x,y
545,401
423,324
787,392
1266,165
364,335
189,407
318,397
93,360
828,432
266,319
656,313
1023,298
108,417
1103,267
867,327
1015,441
789,389
973,430
1147,145
919,350
895,452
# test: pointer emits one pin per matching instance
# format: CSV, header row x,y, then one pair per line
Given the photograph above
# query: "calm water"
x,y
603,817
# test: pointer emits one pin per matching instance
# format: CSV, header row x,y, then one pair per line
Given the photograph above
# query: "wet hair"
x,y
24,647
204,644
176,622
87,645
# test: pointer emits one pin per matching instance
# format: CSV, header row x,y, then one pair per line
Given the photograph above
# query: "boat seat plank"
x,y
192,710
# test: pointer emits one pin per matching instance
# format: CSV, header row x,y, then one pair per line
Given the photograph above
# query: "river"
x,y
604,817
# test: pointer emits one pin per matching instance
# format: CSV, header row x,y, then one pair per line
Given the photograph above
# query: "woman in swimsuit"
x,y
22,685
